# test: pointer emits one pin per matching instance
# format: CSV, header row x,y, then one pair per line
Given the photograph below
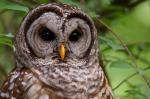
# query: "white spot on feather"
x,y
44,97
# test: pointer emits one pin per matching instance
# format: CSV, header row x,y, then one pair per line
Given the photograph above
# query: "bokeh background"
x,y
120,24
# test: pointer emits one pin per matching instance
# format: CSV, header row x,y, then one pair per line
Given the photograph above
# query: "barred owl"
x,y
57,57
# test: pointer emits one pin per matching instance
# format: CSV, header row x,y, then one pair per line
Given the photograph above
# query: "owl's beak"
x,y
62,51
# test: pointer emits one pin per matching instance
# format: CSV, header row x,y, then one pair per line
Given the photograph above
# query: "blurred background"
x,y
129,20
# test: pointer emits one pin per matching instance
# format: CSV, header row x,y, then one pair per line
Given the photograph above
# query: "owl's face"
x,y
50,35
56,33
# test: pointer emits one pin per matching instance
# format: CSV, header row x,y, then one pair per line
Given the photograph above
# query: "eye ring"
x,y
46,34
75,35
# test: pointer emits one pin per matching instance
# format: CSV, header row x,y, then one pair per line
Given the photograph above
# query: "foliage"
x,y
127,21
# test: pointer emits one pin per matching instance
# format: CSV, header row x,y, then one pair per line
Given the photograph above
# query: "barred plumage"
x,y
41,73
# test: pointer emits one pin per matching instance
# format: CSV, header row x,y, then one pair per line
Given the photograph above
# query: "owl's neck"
x,y
71,80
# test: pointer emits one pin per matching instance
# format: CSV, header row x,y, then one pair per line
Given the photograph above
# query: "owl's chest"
x,y
62,85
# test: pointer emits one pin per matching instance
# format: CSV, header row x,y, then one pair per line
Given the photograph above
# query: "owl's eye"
x,y
47,35
75,36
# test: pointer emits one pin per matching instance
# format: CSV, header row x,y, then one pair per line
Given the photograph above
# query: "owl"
x,y
56,57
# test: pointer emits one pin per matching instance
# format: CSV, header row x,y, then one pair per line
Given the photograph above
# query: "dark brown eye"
x,y
75,36
47,35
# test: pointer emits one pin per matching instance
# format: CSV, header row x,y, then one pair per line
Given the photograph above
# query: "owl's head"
x,y
55,33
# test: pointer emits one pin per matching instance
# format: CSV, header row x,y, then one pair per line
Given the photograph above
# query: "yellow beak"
x,y
62,51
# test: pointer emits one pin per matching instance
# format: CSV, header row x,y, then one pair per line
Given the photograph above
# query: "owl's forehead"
x,y
63,11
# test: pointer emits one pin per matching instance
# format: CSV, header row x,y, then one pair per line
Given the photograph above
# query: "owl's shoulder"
x,y
13,85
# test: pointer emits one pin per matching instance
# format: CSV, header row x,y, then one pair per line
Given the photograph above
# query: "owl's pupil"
x,y
75,36
47,35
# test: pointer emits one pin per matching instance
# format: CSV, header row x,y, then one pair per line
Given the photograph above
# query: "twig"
x,y
126,79
127,50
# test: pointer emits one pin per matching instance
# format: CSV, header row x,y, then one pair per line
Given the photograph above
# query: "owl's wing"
x,y
23,83
13,87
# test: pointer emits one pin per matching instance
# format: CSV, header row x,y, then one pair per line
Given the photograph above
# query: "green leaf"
x,y
6,40
5,5
42,1
120,64
111,43
134,27
136,93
